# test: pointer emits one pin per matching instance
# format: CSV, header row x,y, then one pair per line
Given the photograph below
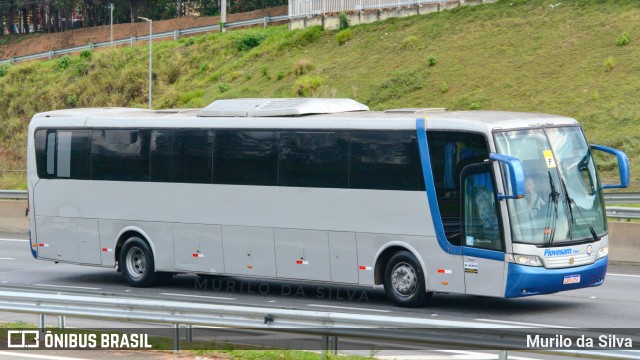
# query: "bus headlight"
x,y
528,260
604,251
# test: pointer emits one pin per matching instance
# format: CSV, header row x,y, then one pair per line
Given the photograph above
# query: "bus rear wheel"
x,y
404,280
137,264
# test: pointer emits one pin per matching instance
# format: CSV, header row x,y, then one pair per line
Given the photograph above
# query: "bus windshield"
x,y
562,201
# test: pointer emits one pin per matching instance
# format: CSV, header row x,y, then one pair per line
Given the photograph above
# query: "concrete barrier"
x,y
624,242
13,216
624,237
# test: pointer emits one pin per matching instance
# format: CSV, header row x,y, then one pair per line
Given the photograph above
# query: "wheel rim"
x,y
136,262
404,279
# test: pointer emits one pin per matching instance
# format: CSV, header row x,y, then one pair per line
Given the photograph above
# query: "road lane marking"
x,y
17,240
37,356
199,296
68,286
348,308
526,324
3,258
624,275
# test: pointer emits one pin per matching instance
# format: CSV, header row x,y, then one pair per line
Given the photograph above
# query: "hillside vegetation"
x,y
579,59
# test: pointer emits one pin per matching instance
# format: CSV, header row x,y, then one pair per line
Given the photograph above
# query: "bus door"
x,y
482,244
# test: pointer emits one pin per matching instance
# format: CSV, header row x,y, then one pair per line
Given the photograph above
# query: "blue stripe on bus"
x,y
484,253
431,190
533,280
33,249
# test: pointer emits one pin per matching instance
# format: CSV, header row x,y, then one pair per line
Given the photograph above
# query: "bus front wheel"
x,y
137,264
405,280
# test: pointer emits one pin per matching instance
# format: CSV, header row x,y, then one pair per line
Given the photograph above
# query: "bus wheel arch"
x,y
396,260
136,260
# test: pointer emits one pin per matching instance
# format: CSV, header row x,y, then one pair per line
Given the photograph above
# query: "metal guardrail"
x,y
383,329
618,212
621,198
175,34
13,194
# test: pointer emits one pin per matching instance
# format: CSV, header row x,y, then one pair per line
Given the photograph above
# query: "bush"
x,y
86,54
432,61
281,75
301,38
623,39
410,42
344,20
248,40
610,63
306,85
64,62
4,69
444,87
72,100
223,87
400,83
264,70
302,66
344,35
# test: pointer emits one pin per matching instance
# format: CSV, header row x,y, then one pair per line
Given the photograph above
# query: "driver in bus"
x,y
532,200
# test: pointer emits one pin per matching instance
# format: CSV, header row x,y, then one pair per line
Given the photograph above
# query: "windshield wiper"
x,y
570,203
552,213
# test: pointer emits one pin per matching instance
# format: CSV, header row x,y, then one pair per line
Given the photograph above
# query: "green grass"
x,y
512,55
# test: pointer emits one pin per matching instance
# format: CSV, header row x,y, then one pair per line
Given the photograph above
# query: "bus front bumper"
x,y
531,280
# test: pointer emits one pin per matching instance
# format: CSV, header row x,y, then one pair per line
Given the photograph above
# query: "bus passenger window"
x,y
481,225
51,150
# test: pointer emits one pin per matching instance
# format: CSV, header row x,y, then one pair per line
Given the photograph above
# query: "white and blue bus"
x,y
419,201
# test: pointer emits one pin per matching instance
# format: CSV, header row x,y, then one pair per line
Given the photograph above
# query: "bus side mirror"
x,y
515,180
623,166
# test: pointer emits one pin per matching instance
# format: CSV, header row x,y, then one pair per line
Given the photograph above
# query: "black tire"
x,y
404,280
137,264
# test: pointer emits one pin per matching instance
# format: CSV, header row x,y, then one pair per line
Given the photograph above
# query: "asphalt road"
x,y
615,304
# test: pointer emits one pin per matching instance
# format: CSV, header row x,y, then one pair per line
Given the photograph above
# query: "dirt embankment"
x,y
47,42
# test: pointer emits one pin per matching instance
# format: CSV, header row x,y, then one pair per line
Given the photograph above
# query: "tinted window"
x,y
62,154
162,155
80,154
51,153
385,160
193,151
245,157
450,153
314,159
121,155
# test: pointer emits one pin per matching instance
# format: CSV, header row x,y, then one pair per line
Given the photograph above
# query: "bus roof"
x,y
295,114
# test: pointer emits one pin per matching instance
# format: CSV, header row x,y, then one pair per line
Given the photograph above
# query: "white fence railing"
x,y
315,7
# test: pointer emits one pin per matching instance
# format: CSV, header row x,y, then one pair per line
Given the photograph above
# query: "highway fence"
x,y
132,40
316,7
379,330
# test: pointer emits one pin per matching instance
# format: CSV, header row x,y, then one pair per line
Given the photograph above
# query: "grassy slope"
x,y
512,55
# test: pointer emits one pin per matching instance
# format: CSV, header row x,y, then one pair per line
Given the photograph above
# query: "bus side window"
x,y
481,222
51,150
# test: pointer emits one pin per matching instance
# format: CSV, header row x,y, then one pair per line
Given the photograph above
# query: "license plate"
x,y
571,279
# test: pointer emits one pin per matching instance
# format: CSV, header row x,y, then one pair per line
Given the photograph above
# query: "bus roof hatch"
x,y
279,107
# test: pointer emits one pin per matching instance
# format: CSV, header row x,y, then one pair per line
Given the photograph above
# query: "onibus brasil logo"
x,y
31,339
